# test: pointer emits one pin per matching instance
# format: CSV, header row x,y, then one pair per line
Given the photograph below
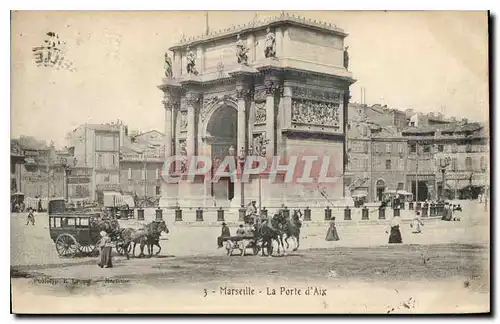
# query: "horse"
x,y
269,231
152,239
292,228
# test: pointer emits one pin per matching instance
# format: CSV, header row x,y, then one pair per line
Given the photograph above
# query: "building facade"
x,y
285,80
97,148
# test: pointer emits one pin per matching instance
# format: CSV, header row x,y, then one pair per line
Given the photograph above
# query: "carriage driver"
x,y
252,212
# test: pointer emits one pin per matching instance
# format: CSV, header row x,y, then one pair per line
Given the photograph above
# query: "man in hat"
x,y
225,232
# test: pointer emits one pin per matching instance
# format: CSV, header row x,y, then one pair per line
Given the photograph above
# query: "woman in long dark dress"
x,y
105,249
332,234
395,236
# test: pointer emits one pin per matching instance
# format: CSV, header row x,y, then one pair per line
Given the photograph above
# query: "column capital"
x,y
193,98
272,87
244,93
170,103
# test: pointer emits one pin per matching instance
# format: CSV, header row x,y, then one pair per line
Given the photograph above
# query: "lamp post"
x,y
241,161
260,150
67,172
443,164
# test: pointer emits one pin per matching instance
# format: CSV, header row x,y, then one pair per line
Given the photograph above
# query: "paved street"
x,y
446,253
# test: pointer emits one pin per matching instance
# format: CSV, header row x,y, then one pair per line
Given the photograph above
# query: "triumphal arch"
x,y
276,88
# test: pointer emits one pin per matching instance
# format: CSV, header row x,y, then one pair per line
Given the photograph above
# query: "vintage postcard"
x,y
250,162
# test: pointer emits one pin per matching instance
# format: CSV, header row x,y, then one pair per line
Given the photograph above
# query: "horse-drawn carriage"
x,y
278,229
74,232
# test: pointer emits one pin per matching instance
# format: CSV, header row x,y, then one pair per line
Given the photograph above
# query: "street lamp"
x,y
67,172
443,164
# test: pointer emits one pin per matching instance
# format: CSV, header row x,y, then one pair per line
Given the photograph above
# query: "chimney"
x,y
122,134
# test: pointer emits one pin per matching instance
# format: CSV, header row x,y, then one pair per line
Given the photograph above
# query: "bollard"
x,y
199,215
396,212
263,213
425,211
347,213
123,214
286,213
159,215
241,213
328,213
307,214
381,213
178,214
364,213
419,205
432,210
140,214
410,205
220,215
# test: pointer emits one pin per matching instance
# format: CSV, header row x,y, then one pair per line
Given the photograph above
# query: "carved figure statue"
x,y
270,50
241,51
191,62
168,66
183,153
346,57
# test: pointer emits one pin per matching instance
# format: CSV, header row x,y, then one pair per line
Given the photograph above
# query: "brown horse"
x,y
153,237
292,227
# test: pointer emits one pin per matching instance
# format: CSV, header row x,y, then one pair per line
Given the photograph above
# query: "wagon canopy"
x,y
116,199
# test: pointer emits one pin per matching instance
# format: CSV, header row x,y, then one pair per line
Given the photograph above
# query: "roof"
x,y
284,18
454,127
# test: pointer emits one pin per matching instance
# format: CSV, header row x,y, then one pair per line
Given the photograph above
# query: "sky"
x,y
426,61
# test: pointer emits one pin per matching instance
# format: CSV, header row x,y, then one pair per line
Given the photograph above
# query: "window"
x,y
468,163
440,148
388,148
400,186
99,161
412,124
401,165
427,149
387,164
113,157
454,148
130,173
365,147
413,148
468,148
158,190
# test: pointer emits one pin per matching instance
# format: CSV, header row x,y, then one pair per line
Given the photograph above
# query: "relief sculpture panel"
x,y
315,113
260,112
183,121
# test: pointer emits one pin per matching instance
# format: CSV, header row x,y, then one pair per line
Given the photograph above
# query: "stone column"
x,y
271,88
287,106
242,93
169,105
192,101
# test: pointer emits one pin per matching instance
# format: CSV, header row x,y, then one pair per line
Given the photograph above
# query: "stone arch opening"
x,y
222,133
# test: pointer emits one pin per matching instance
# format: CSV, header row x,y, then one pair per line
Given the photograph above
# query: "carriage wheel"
x,y
66,245
121,250
87,249
256,249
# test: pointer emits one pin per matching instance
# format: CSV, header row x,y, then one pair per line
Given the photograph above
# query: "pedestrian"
x,y
225,232
39,205
416,224
332,234
395,235
31,216
105,251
